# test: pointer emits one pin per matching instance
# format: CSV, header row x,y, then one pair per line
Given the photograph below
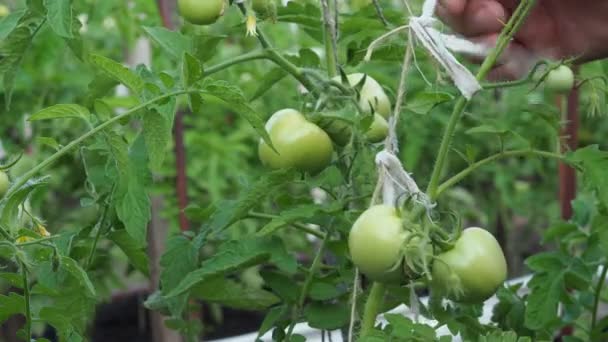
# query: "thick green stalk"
x,y
329,37
67,148
372,308
504,39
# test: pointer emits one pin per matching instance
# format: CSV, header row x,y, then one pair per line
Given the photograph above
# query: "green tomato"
x,y
378,131
201,12
300,144
371,93
265,8
473,270
560,79
4,183
4,11
375,243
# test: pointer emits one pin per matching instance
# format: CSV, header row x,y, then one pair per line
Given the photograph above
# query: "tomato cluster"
x,y
381,244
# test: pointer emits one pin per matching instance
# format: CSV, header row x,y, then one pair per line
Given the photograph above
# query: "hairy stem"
x,y
330,38
237,60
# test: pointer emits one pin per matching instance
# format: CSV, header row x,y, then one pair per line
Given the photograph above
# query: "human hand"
x,y
555,29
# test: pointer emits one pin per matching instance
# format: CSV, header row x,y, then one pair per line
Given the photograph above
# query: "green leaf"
x,y
48,141
136,254
204,46
62,111
487,129
594,163
548,261
157,134
9,206
230,293
424,101
543,300
268,81
234,98
282,285
321,290
118,72
238,254
273,315
173,42
59,15
8,23
72,267
327,316
290,216
132,200
559,231
229,212
10,305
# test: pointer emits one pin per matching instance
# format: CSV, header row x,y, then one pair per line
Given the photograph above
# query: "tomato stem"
x,y
330,37
239,59
515,22
300,226
505,154
372,308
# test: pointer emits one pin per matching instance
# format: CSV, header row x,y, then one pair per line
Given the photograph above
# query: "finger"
x,y
477,17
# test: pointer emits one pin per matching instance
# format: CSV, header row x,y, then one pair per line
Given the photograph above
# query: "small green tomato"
x,y
560,79
300,144
201,12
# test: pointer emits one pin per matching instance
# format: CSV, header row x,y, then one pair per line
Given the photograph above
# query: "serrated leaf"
x,y
268,81
10,305
136,254
543,300
559,231
8,23
118,72
157,134
10,205
594,163
204,46
282,285
59,16
320,290
72,267
273,315
228,292
548,261
231,211
48,141
423,102
245,253
62,111
290,216
327,316
173,42
234,98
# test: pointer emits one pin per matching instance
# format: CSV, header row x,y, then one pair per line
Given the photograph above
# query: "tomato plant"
x,y
313,170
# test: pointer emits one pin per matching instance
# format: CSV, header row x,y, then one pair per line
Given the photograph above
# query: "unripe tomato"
x,y
201,12
375,243
378,130
371,92
4,183
265,8
301,144
560,79
473,270
4,11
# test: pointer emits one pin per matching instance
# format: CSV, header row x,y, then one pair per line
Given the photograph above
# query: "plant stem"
x,y
314,267
372,307
38,241
462,174
598,291
504,39
67,148
297,225
5,233
330,38
26,296
239,59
